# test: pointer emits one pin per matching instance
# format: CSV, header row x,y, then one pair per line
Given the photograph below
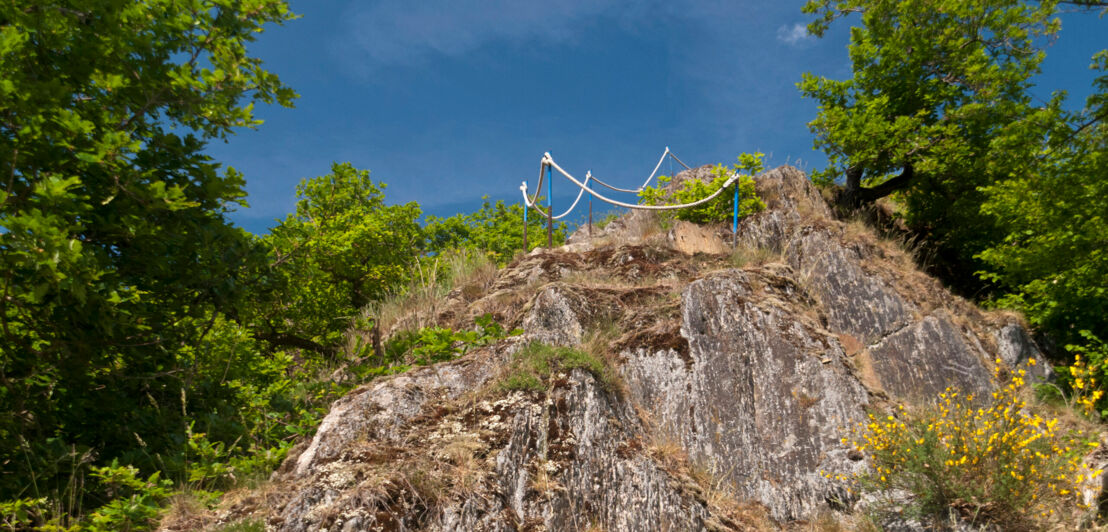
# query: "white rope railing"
x,y
666,153
532,202
548,161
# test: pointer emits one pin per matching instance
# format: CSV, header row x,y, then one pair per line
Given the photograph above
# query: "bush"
x,y
996,462
718,210
1085,379
438,344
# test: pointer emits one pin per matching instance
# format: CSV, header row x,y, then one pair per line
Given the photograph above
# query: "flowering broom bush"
x,y
993,461
1085,378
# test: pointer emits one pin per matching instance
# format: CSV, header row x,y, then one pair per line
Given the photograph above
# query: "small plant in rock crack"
x,y
532,367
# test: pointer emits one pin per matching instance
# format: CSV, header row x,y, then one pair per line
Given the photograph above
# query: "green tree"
x,y
114,246
495,228
933,83
1053,260
938,110
342,249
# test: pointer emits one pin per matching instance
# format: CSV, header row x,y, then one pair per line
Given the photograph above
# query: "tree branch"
x,y
291,340
867,195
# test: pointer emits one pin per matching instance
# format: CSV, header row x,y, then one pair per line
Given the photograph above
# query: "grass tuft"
x,y
532,367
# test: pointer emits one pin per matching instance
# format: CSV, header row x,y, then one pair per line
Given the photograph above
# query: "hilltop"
x,y
662,381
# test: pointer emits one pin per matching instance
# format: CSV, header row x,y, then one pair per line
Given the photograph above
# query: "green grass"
x,y
248,525
532,367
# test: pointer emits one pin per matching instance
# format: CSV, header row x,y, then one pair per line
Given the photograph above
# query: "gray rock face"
x,y
856,303
734,385
918,362
381,410
753,396
565,461
553,318
1016,348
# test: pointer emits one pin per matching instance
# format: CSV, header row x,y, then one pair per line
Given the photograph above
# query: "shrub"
x,y
1085,379
718,210
437,344
993,461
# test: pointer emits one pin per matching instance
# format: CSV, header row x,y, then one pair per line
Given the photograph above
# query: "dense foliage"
x,y
148,343
939,111
720,209
495,227
342,249
115,253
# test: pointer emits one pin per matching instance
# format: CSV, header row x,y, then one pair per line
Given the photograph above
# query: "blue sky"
x,y
451,100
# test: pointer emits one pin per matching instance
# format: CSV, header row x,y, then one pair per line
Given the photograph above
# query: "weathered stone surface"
x,y
690,239
381,410
1016,348
579,439
920,361
553,318
757,395
856,303
565,461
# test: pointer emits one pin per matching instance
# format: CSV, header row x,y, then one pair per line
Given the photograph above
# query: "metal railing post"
x,y
549,207
735,218
590,217
524,187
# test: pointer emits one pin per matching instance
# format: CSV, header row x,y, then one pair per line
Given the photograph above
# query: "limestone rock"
x,y
690,239
858,304
1016,348
755,394
918,362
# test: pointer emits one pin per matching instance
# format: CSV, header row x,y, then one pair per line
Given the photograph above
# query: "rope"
x,y
656,167
665,153
588,176
679,160
538,188
548,160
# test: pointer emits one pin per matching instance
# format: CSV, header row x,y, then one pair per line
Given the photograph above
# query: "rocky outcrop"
x,y
754,394
736,379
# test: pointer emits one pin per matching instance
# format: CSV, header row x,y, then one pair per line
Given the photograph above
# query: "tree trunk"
x,y
291,340
855,195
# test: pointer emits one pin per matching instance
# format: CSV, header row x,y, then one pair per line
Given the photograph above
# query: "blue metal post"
x,y
550,207
525,217
735,218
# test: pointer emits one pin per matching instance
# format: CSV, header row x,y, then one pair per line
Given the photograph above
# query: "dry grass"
x,y
465,468
185,511
828,521
642,225
472,272
746,254
667,450
543,481
603,279
810,213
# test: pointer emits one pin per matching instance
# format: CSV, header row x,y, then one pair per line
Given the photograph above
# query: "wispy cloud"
x,y
794,35
401,32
